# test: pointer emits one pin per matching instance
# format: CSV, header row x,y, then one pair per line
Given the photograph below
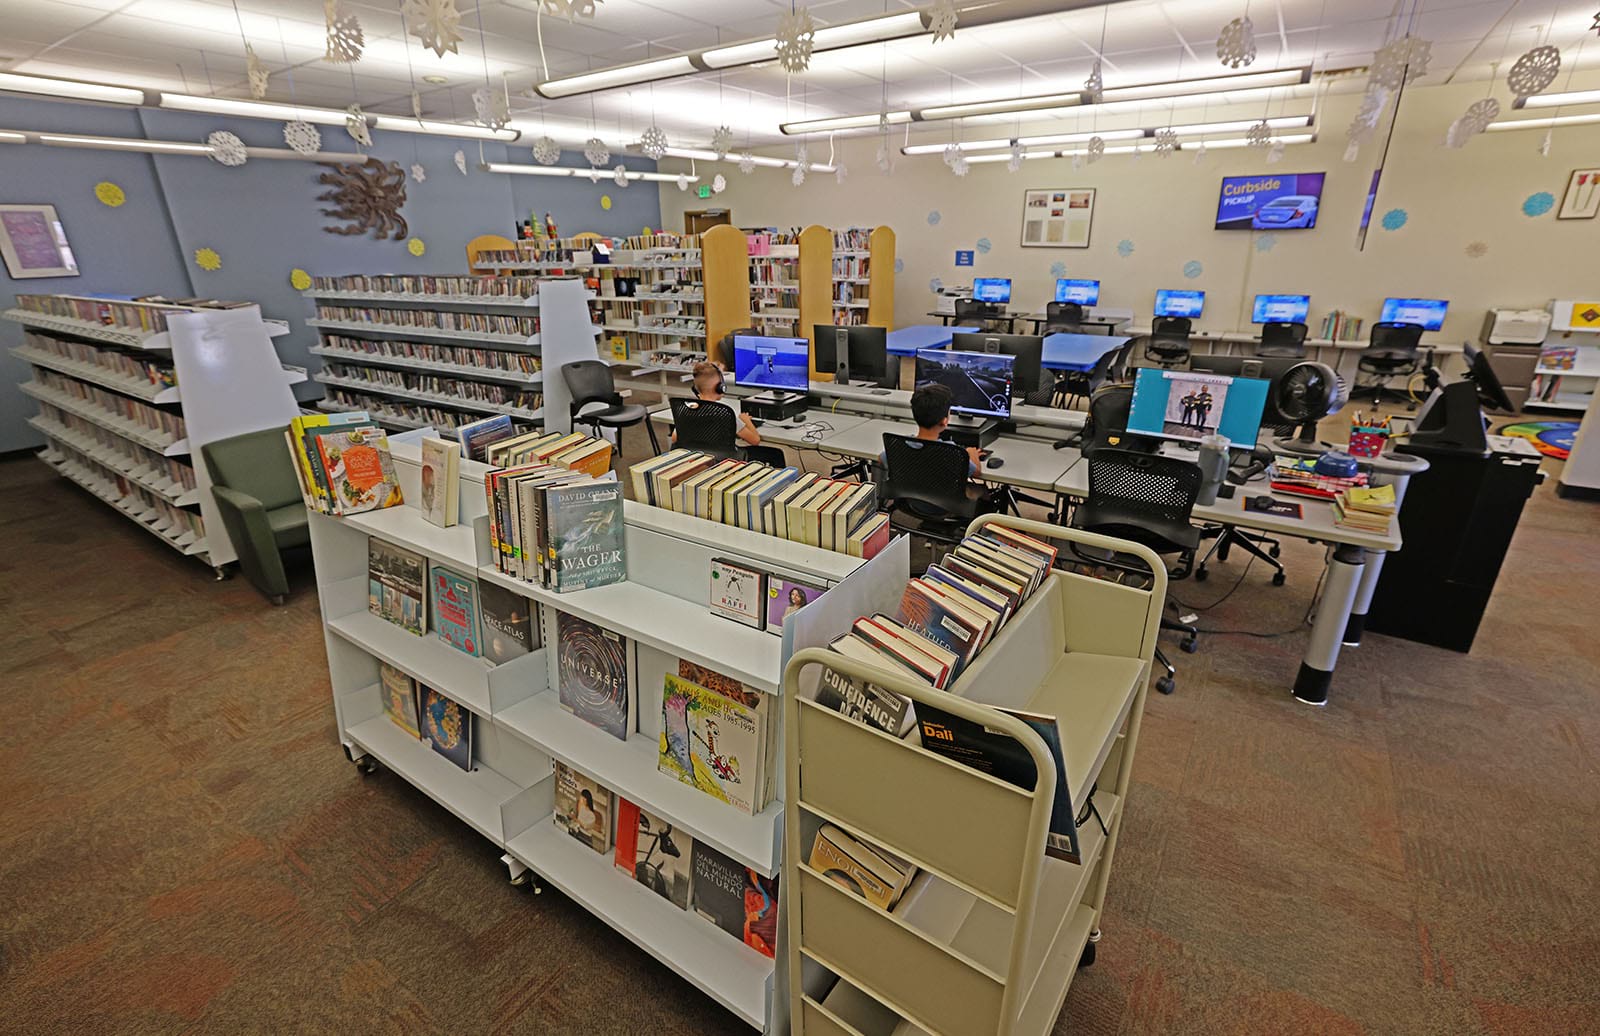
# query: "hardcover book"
x,y
712,742
477,436
441,495
860,867
654,853
924,614
585,535
399,698
447,727
397,585
863,701
736,592
593,666
735,898
455,609
583,808
360,470
509,630
786,596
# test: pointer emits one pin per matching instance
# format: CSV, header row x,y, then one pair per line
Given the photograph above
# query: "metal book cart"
x,y
991,932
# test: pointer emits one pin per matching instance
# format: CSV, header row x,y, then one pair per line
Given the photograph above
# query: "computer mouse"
x,y
1262,501
995,462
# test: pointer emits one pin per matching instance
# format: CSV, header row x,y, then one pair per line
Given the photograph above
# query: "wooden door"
x,y
704,220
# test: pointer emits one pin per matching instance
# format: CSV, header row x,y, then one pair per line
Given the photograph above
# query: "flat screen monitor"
x,y
772,363
979,383
1028,350
1280,309
1271,201
1084,293
866,352
1179,302
1186,405
991,289
1427,312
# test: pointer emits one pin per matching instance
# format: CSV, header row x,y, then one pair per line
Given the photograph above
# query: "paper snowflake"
x,y
795,33
570,9
299,280
1538,204
1124,248
1266,242
840,171
653,142
747,163
1095,85
683,181
1544,144
798,176
226,148
207,259
983,245
1259,135
490,105
884,158
1400,61
256,72
1058,269
435,23
1193,269
416,247
461,161
942,20
951,153
802,154
619,175
1077,160
883,122
416,106
546,151
1476,250
1015,161
1199,152
721,141
1166,142
1373,102
355,124
1096,149
594,175
718,184
959,166
1594,26
1534,71
1236,44
1352,150
1480,113
1275,153
302,137
345,38
418,173
596,152
109,194
1394,219
935,285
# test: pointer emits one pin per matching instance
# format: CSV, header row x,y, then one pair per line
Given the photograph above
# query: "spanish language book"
x,y
653,852
735,898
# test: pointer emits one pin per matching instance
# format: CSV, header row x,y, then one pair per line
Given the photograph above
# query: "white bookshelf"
x,y
520,727
669,286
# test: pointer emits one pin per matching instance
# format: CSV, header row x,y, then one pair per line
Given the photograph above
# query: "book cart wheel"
x,y
1088,955
521,876
363,762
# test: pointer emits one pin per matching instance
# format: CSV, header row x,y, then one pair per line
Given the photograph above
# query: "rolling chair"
x,y
1172,327
1062,316
711,427
1166,349
928,491
258,496
1107,422
1393,351
1285,339
1146,498
592,381
971,312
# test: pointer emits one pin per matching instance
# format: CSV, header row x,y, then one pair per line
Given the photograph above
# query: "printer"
x,y
946,304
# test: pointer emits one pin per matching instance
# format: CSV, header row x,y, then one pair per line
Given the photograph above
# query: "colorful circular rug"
x,y
1551,438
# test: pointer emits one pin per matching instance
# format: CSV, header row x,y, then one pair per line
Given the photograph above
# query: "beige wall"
x,y
1166,206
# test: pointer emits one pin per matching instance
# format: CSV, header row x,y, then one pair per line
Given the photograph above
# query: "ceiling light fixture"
x,y
69,89
1187,130
1127,149
12,137
760,160
846,122
327,116
1545,123
1540,100
160,147
517,169
406,124
620,75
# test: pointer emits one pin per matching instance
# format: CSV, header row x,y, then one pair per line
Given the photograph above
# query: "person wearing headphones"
x,y
708,386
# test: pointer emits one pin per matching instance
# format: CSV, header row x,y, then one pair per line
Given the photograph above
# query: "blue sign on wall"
x,y
963,258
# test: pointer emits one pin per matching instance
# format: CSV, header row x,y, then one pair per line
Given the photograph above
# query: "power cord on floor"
x,y
1305,620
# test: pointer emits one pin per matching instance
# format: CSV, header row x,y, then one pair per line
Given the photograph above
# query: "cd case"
x,y
738,592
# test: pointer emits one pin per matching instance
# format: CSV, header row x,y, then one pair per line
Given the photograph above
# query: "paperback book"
x,y
735,898
713,742
441,495
737,592
509,629
863,701
860,867
455,610
593,666
582,808
447,727
397,585
359,471
477,436
654,853
399,698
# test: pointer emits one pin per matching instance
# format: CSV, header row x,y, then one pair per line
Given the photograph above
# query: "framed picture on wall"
x,y
1582,199
33,243
1057,217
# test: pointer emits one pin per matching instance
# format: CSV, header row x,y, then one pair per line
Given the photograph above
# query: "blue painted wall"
x,y
263,218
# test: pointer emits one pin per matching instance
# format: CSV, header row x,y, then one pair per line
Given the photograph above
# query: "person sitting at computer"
x,y
708,385
930,408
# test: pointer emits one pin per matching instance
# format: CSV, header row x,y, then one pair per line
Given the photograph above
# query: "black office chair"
x,y
1393,351
1146,498
1063,316
1172,327
1283,338
723,355
705,426
591,382
971,312
927,488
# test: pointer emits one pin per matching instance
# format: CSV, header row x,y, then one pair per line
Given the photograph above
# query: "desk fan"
x,y
1304,395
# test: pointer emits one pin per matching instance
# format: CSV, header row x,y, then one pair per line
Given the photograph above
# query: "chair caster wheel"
x,y
1165,685
1189,645
1275,552
367,766
1088,956
1222,553
1277,579
1201,575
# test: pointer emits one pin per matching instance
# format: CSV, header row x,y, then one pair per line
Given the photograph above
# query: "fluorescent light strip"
x,y
250,109
406,124
602,175
760,160
621,75
70,89
1128,149
1540,100
162,147
1239,126
1082,138
8,137
1210,85
844,122
1010,104
1191,129
1545,123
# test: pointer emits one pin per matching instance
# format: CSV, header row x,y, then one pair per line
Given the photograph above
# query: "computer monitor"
x,y
1179,302
1427,312
772,363
979,383
1186,405
859,353
1084,293
1280,309
1028,374
1452,418
991,289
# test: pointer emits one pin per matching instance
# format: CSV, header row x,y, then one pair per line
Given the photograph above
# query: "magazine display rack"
x,y
112,431
989,935
520,726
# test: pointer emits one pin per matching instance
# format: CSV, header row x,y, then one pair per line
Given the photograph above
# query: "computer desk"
x,y
1028,463
1066,351
804,432
1109,325
904,342
896,403
1353,565
1341,347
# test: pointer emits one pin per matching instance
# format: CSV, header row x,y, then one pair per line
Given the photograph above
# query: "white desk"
x,y
1229,340
813,426
896,403
1028,463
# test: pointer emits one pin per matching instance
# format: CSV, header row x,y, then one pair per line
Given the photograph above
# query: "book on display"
x,y
738,592
356,469
582,807
455,609
592,664
785,597
735,898
654,852
864,700
509,627
477,436
447,727
397,585
441,493
714,742
399,698
860,867
584,536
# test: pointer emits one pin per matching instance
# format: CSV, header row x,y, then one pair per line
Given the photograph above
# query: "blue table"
x,y
905,341
1077,352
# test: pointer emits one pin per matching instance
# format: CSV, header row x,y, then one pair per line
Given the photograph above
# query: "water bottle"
x,y
1213,463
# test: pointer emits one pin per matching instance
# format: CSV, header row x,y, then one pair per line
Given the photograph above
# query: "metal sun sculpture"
x,y
365,196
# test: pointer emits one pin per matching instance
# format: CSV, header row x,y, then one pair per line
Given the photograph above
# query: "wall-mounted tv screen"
x,y
1272,201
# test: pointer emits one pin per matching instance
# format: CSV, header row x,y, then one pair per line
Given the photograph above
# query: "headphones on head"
x,y
722,383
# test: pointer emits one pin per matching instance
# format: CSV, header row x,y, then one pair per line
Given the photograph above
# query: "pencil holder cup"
x,y
1367,441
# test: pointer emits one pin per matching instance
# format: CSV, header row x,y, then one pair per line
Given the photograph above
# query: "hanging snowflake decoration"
x,y
416,106
1138,152
619,175
302,137
1236,44
883,122
1266,242
796,31
490,105
345,38
653,142
256,72
718,184
1199,152
1369,113
959,166
1352,150
721,141
1476,250
1275,153
884,158
435,23
1096,149
1538,204
1480,113
1258,135
798,177
460,158
355,124
942,20
1124,248
1015,161
1534,71
1394,219
570,9
596,152
1077,160
546,151
418,173
802,154
226,149
1400,61
1544,144
1166,142
951,153
747,163
840,171
683,181
1095,85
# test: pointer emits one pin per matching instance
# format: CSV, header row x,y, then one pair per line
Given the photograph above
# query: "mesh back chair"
x,y
1283,338
1168,342
1391,352
258,497
1172,327
927,488
592,382
1146,498
1062,316
706,426
972,313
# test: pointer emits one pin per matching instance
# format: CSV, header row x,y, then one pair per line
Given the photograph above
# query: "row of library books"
x,y
441,320
851,267
158,421
137,455
1340,326
342,462
163,513
555,511
422,284
844,292
783,502
145,313
1559,357
852,239
498,360
478,619
112,361
401,412
1367,508
468,391
667,860
427,715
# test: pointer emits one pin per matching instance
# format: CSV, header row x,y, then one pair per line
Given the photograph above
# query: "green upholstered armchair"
x,y
253,481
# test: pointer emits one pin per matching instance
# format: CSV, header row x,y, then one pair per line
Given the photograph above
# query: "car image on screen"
x,y
1289,212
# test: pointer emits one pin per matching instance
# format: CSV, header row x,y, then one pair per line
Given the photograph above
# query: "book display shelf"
x,y
990,933
775,281
520,729
129,391
862,277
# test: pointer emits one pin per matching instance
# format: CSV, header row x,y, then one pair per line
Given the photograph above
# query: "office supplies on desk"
x,y
1298,475
1336,463
1368,437
1265,504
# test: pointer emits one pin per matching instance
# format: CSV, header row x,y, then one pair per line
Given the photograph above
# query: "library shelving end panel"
x,y
566,335
816,285
991,931
725,265
880,277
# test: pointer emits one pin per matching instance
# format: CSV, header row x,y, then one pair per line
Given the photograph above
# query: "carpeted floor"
x,y
184,849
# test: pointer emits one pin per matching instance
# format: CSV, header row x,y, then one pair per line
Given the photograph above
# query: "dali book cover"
x,y
447,727
712,742
399,698
455,610
586,535
735,898
397,587
509,627
582,808
593,666
654,852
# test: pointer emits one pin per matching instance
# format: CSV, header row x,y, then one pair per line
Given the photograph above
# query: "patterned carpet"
x,y
184,849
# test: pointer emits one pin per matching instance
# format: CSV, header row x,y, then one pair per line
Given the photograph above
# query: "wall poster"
x,y
33,243
1057,217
